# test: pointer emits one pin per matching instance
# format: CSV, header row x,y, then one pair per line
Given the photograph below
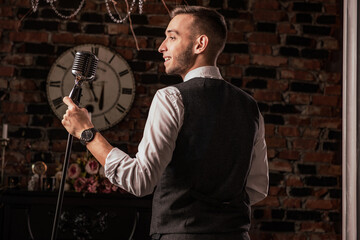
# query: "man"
x,y
203,144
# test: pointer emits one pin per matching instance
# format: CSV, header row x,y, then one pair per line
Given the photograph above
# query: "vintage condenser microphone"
x,y
84,69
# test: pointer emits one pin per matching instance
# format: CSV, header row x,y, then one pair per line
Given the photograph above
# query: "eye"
x,y
172,38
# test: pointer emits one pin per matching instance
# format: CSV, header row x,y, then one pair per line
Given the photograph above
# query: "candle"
x,y
5,131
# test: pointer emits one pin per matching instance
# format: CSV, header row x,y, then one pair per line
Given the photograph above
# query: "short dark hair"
x,y
209,22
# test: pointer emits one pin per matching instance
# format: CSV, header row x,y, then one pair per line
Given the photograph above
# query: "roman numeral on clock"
x,y
55,84
58,102
120,108
123,73
127,91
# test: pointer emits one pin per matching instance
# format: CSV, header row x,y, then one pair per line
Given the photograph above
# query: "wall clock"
x,y
109,97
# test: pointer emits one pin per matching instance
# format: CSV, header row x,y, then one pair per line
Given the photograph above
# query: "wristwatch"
x,y
88,135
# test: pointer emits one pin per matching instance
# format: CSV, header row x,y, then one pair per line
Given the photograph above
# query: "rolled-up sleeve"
x,y
258,179
140,175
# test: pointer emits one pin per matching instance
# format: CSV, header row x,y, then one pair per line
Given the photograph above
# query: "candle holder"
x,y
4,143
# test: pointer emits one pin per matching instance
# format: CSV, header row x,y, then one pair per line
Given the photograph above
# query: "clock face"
x,y
108,97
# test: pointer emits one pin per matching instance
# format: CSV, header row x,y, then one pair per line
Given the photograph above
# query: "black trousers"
x,y
222,236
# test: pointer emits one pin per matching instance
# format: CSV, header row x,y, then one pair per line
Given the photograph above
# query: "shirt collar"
x,y
204,72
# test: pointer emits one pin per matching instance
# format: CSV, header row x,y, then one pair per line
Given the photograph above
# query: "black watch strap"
x,y
88,135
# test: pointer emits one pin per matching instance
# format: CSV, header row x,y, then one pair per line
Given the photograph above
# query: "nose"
x,y
162,47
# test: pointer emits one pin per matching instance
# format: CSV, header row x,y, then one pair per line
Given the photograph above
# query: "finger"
x,y
69,102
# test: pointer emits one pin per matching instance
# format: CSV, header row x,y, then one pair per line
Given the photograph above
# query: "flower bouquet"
x,y
87,176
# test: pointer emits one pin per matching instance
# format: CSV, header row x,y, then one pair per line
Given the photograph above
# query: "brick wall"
x,y
286,53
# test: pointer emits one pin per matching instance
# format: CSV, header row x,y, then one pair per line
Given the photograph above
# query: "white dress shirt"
x,y
140,175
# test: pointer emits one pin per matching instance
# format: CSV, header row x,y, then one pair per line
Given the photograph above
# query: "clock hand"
x,y
92,90
101,101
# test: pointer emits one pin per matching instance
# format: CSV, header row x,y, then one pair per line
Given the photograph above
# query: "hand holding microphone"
x,y
76,119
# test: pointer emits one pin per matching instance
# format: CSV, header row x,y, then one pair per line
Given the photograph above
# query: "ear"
x,y
201,43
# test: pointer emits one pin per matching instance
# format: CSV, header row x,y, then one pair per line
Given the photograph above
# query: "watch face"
x,y
87,135
108,97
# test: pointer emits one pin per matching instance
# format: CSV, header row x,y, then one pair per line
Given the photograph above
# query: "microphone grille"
x,y
84,66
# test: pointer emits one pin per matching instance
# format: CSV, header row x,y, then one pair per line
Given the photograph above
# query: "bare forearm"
x,y
99,148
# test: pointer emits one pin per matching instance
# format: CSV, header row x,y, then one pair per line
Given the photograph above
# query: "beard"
x,y
181,63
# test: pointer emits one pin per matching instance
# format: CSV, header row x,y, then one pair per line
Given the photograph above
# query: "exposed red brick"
x,y
269,60
297,74
330,77
333,90
321,192
276,191
19,119
7,71
9,24
128,54
12,107
224,59
269,129
326,100
276,85
5,47
324,111
29,37
235,37
20,84
309,144
271,153
291,203
281,166
326,122
158,20
234,71
267,96
301,63
259,37
289,131
3,83
100,39
269,15
286,28
19,60
62,38
322,204
126,41
267,4
154,8
243,26
115,28
269,201
275,142
310,132
324,157
6,11
332,170
242,59
299,98
298,120
259,48
294,181
315,227
329,43
289,155
287,236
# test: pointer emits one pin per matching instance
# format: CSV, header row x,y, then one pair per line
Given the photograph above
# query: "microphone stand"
x,y
75,95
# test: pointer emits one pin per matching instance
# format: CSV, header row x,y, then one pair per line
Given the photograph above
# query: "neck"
x,y
200,62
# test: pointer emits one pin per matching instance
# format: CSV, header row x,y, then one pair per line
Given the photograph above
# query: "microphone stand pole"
x,y
75,95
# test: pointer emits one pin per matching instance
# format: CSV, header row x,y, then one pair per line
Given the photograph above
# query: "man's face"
x,y
177,48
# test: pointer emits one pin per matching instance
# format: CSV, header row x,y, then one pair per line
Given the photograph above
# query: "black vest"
x,y
202,190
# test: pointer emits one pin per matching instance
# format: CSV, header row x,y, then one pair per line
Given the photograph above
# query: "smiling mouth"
x,y
167,59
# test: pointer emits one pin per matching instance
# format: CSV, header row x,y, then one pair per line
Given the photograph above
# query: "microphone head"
x,y
84,66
